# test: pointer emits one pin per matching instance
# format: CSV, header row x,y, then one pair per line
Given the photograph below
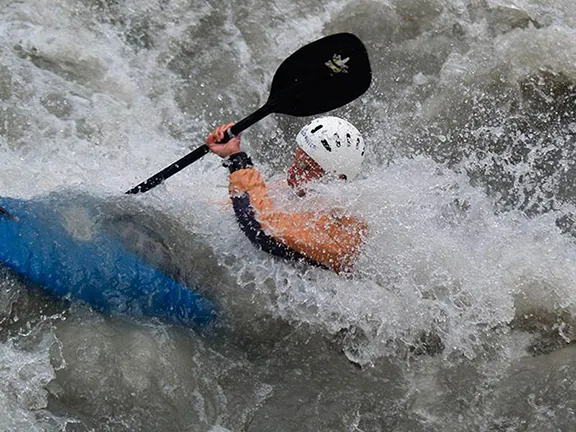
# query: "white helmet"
x,y
334,144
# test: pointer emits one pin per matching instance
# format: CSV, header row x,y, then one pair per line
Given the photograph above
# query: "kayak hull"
x,y
66,250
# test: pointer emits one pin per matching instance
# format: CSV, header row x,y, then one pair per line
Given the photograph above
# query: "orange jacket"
x,y
320,239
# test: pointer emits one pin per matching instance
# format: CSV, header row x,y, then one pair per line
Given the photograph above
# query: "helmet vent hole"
x,y
326,145
317,128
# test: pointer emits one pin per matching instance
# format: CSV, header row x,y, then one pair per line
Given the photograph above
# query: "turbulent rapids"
x,y
461,312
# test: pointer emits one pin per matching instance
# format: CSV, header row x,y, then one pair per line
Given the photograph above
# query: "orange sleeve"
x,y
330,241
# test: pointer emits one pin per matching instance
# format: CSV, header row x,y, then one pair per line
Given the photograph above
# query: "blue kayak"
x,y
67,251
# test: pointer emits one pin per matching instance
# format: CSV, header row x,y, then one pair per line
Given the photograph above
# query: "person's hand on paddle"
x,y
223,150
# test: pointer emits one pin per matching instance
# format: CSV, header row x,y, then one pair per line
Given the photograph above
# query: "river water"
x,y
460,314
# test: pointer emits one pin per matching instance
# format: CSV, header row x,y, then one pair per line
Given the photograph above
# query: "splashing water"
x,y
460,310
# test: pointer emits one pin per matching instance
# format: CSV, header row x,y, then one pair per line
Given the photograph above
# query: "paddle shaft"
x,y
245,123
196,154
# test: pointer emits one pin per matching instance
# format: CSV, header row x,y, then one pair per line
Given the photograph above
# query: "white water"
x,y
471,129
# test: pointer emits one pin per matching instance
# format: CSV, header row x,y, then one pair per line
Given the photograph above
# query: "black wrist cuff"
x,y
238,161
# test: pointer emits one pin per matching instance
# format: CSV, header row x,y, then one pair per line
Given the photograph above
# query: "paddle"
x,y
319,77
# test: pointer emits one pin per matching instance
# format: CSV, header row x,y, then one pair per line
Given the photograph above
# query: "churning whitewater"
x,y
461,312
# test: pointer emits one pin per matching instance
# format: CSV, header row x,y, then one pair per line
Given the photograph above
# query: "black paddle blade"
x,y
321,76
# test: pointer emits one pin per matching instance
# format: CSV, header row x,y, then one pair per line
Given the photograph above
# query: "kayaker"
x,y
328,147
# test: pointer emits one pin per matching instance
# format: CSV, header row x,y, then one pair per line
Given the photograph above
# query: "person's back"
x,y
327,147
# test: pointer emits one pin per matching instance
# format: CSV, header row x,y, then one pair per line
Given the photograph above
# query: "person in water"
x,y
328,147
